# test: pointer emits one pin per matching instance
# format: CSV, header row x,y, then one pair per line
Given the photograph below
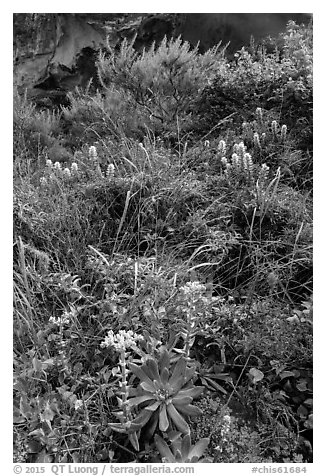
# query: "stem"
x,y
124,386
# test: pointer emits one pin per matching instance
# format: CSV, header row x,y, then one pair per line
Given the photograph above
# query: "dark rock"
x,y
55,52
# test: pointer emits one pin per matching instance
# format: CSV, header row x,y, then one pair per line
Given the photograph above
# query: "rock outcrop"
x,y
54,53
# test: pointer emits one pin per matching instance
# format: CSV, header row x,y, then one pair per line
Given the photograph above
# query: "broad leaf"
x,y
199,449
193,392
148,387
163,419
185,447
178,420
152,369
140,372
177,379
164,362
137,400
181,400
164,450
255,375
189,410
134,440
165,376
153,407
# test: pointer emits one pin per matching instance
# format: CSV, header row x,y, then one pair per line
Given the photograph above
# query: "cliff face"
x,y
53,53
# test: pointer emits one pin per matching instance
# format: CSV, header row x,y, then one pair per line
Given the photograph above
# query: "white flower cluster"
x,y
54,171
92,153
222,147
64,319
60,321
263,175
110,171
121,341
225,427
259,115
193,288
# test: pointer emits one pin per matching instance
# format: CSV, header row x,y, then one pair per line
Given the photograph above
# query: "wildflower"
x,y
246,128
110,171
43,182
235,159
121,341
193,289
49,163
57,166
224,160
256,140
247,157
242,149
78,404
263,137
259,115
263,173
225,427
274,128
92,152
64,319
67,173
227,169
283,132
222,147
74,168
206,143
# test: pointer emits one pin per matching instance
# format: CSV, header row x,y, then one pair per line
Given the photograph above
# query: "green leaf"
x,y
137,400
193,392
142,418
185,447
178,420
190,373
25,409
134,440
164,450
199,449
47,415
148,387
176,380
153,407
164,362
140,373
255,375
44,457
189,410
163,419
181,400
215,385
165,376
151,365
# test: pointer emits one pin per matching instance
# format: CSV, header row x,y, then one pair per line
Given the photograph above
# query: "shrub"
x,y
279,81
162,82
34,132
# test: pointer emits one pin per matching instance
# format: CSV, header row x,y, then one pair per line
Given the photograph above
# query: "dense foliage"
x,y
163,260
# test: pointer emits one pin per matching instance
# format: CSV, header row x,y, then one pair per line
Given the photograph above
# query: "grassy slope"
x,y
177,190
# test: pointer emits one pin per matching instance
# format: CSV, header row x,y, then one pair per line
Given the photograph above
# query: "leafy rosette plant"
x,y
164,394
182,451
